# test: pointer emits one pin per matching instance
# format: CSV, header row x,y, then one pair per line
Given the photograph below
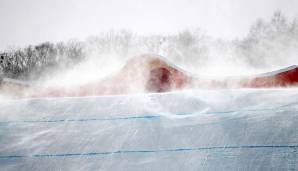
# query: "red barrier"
x,y
287,77
153,73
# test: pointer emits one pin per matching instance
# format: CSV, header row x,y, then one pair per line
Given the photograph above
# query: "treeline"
x,y
267,43
33,61
271,42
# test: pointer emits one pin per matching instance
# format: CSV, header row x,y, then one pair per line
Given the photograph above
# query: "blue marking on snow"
x,y
148,151
140,117
85,119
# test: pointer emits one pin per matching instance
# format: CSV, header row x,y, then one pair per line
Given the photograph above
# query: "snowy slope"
x,y
243,129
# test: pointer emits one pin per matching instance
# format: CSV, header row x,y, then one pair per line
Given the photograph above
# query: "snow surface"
x,y
244,129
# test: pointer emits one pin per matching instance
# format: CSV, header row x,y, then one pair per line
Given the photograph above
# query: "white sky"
x,y
25,22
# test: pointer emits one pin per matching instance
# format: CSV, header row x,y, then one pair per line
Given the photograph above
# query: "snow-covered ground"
x,y
244,129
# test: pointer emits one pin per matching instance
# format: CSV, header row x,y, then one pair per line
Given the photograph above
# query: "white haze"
x,y
269,45
111,133
34,21
192,50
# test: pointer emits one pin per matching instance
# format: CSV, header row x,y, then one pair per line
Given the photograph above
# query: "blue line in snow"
x,y
148,151
141,117
86,119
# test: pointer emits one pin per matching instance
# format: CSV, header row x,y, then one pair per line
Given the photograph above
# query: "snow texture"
x,y
244,129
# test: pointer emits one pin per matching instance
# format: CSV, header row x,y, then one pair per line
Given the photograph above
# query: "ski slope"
x,y
243,129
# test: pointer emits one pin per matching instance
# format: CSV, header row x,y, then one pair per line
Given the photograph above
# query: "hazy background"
x,y
26,22
79,41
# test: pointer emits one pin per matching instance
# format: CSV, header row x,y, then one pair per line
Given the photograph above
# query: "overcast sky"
x,y
25,22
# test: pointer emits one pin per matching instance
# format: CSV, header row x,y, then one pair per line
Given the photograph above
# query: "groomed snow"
x,y
244,129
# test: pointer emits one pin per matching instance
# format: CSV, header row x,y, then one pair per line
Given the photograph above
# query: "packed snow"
x,y
240,129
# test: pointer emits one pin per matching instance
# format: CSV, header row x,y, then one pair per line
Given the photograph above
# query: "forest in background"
x,y
268,43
